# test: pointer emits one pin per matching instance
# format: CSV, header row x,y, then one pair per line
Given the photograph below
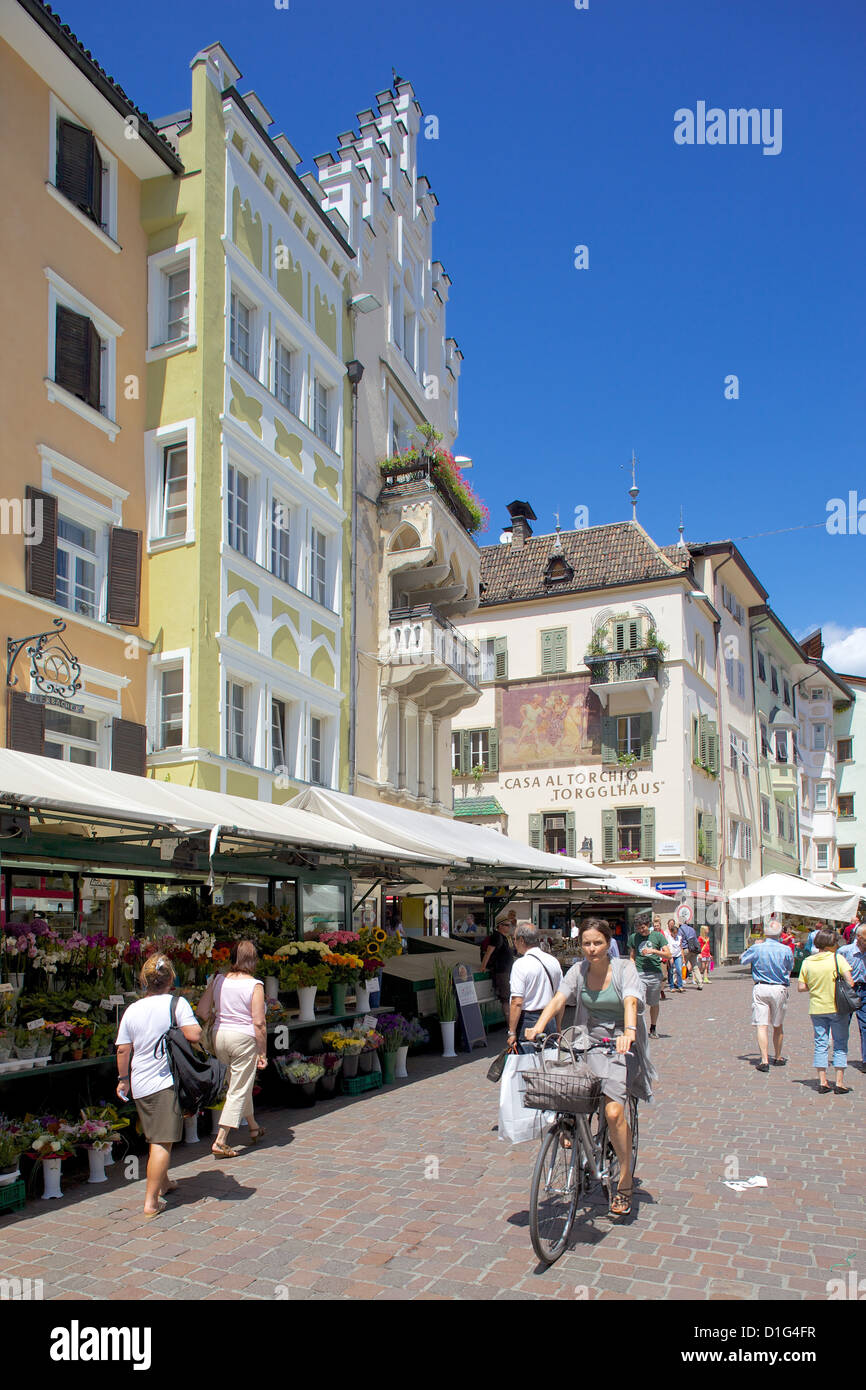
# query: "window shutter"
x,y
500,658
76,167
647,832
124,576
646,738
536,830
619,632
94,367
713,746
634,635
493,750
72,352
465,752
569,834
608,835
25,723
559,661
40,561
609,745
704,737
96,185
546,652
708,825
128,747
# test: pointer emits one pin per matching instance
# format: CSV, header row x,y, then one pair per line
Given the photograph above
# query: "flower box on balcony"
x,y
439,469
612,667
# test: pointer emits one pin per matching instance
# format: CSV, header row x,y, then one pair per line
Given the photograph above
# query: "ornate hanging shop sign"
x,y
55,674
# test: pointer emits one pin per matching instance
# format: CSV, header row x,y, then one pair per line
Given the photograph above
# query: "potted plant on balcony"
x,y
654,642
598,645
444,472
479,772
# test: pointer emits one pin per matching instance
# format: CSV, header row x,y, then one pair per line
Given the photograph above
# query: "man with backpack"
x,y
688,939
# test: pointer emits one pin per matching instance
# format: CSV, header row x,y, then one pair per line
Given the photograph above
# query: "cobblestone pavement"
x,y
343,1201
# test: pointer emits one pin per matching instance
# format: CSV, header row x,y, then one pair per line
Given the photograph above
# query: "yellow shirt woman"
x,y
819,974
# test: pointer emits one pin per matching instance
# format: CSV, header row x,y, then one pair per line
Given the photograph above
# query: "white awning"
x,y
454,840
629,889
777,893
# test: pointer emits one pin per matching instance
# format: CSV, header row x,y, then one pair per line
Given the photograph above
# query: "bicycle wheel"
x,y
553,1196
601,1134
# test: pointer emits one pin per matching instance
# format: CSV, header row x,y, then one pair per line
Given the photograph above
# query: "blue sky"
x,y
556,129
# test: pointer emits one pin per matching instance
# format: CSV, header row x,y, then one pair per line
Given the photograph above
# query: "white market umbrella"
x,y
777,893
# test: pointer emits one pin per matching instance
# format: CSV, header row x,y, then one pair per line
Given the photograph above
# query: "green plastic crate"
x,y
366,1081
12,1196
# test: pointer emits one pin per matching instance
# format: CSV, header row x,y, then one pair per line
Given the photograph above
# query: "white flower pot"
x,y
16,980
96,1159
190,1129
448,1038
7,1178
51,1178
108,1153
272,987
362,998
307,1001
402,1054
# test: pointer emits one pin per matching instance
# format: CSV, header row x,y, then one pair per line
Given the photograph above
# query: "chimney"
x,y
521,513
813,645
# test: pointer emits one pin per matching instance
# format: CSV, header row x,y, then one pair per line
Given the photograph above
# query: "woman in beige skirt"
x,y
237,1000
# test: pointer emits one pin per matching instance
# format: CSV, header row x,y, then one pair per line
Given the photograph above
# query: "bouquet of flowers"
x,y
371,1039
51,1137
298,975
15,1138
342,1041
313,952
374,943
336,940
344,969
415,1035
93,1134
299,1073
392,1028
19,948
331,1061
107,1115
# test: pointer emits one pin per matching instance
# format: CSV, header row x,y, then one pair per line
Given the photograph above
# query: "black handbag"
x,y
497,1066
847,996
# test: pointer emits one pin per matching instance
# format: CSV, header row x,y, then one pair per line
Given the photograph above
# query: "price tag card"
x,y
369,1021
116,999
5,988
105,1003
79,1007
36,1023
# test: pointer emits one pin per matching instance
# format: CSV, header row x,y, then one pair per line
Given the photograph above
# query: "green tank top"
x,y
603,1003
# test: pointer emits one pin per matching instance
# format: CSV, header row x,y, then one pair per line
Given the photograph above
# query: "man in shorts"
x,y
771,964
649,950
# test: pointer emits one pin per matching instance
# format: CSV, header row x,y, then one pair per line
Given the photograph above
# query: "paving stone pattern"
x,y
407,1193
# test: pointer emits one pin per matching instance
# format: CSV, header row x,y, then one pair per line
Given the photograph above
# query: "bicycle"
x,y
564,1175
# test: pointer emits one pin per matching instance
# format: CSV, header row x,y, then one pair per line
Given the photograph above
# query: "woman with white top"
x,y
237,1000
149,1076
671,933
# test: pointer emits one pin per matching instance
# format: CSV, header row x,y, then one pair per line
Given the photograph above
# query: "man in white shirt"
x,y
535,977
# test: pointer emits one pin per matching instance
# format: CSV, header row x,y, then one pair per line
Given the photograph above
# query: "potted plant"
x,y
13,1141
393,1029
52,1140
446,1005
302,1073
26,1043
332,1063
344,971
307,980
94,1136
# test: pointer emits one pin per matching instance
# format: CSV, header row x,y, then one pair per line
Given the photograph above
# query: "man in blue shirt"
x,y
855,954
771,964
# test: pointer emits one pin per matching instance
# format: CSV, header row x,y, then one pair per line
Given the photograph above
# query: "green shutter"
x,y
704,736
559,650
609,744
712,746
608,835
569,834
500,658
465,752
493,750
696,738
634,635
546,652
553,651
619,637
646,738
708,825
647,832
536,830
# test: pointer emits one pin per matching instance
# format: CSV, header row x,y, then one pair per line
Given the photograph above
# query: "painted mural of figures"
x,y
530,714
548,725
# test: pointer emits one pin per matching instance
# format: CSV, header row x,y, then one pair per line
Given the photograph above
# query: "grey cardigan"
x,y
628,985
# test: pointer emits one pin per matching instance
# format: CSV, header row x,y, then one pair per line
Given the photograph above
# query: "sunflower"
x,y
380,935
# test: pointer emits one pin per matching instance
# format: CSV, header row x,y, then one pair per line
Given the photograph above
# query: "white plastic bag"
x,y
516,1123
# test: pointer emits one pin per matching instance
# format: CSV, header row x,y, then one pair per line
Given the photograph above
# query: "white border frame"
x,y
155,441
159,266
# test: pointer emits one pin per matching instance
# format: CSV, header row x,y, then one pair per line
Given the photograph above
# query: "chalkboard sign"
x,y
468,1008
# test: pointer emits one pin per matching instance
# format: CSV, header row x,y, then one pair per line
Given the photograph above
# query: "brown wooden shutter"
x,y
25,723
40,561
128,747
76,151
72,352
124,576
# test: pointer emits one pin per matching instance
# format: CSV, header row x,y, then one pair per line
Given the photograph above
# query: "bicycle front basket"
x,y
562,1085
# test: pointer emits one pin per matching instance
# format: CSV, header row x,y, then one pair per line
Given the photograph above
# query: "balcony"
x,y
427,660
406,479
628,672
783,777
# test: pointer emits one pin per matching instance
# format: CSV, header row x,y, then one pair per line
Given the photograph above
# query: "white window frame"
x,y
822,845
780,742
107,234
327,585
155,443
766,821
67,741
745,840
159,267
178,658
296,394
253,309
169,669
402,427
251,503
96,557
247,755
326,747
62,293
822,796
278,500
817,692
819,731
321,381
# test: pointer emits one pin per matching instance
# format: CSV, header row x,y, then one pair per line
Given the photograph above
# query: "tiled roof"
x,y
600,556
477,806
679,556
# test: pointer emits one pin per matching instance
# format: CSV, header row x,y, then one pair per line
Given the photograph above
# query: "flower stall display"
x,y
201,945
347,1045
332,1063
95,1137
392,1028
344,970
302,1073
52,1139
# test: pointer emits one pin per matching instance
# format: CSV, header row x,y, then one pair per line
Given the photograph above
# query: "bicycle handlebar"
x,y
540,1043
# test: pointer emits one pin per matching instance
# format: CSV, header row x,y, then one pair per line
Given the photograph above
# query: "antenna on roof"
x,y
633,490
681,543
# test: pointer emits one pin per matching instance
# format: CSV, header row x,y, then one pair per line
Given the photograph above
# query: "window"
x,y
822,853
80,172
78,350
629,735
554,834
479,748
236,730
762,668
818,692
319,566
409,336
846,806
456,760
706,748
77,587
316,750
786,693
553,650
628,834
171,300
700,653
177,294
322,411
774,680
745,841
238,501
822,796
780,820
280,536
171,708
397,315
241,333
781,747
847,857
735,752
71,737
494,659
739,840
279,735
627,634
706,837
174,490
792,826
819,737
471,748
741,680
286,376
729,672
795,749
844,750
765,741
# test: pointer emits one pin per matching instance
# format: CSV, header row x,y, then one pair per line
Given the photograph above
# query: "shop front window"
x,y
324,907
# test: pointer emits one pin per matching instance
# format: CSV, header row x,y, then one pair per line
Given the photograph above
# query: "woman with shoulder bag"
x,y
818,976
234,1004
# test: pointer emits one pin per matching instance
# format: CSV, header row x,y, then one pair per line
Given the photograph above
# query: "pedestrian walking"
x,y
855,954
610,1003
147,1076
498,957
771,964
707,963
649,951
818,976
535,978
236,1002
691,952
675,963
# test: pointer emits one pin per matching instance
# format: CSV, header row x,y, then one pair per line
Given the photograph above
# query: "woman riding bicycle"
x,y
610,1004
